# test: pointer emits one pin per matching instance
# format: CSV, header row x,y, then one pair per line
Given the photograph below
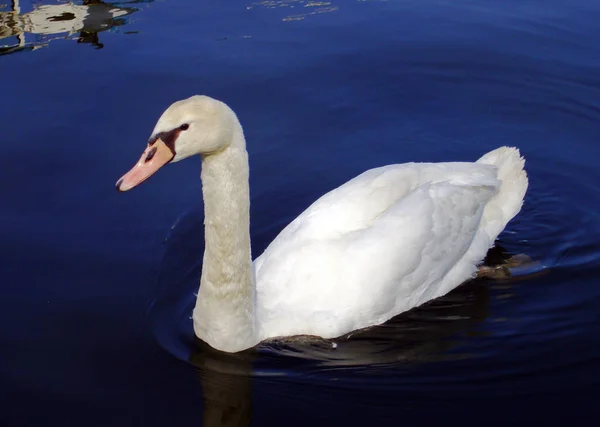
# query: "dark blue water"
x,y
97,287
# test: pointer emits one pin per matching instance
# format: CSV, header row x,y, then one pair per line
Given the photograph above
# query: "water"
x,y
98,287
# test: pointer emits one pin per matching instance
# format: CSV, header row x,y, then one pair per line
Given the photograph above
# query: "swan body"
x,y
386,241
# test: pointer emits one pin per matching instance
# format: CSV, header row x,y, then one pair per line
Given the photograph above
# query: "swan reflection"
x,y
27,31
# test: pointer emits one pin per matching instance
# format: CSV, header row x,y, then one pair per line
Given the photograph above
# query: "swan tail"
x,y
507,202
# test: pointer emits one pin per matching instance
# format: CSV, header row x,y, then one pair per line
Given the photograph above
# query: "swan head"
x,y
197,125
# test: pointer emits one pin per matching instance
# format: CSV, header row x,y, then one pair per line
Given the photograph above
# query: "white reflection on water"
x,y
305,8
48,22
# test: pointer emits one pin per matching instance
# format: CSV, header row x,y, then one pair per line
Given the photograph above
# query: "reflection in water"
x,y
226,380
45,23
302,8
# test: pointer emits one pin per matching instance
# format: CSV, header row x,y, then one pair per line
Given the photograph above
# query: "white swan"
x,y
384,242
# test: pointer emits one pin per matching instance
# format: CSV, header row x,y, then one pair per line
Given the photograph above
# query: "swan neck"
x,y
224,312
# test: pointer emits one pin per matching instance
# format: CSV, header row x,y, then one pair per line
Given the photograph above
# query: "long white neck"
x,y
224,312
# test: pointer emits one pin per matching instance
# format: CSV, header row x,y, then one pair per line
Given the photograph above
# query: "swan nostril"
x,y
150,154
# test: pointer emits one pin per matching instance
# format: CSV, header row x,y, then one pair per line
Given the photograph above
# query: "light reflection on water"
x,y
299,9
22,30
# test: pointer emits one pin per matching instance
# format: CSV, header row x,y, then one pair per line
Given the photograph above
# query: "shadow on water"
x,y
49,22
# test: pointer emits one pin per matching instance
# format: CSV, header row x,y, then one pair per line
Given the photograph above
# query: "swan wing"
x,y
368,250
389,240
357,203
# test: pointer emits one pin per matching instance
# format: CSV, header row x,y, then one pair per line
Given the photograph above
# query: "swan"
x,y
384,242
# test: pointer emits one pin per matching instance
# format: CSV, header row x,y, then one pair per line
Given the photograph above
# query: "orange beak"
x,y
154,157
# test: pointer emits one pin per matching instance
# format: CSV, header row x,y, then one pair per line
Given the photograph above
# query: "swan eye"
x,y
184,126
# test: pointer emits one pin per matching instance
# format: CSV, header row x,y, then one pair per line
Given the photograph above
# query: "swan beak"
x,y
154,157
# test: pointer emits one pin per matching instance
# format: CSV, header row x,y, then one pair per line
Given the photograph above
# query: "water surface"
x,y
98,287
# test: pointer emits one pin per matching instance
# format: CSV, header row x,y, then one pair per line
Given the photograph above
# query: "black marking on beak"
x,y
168,138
